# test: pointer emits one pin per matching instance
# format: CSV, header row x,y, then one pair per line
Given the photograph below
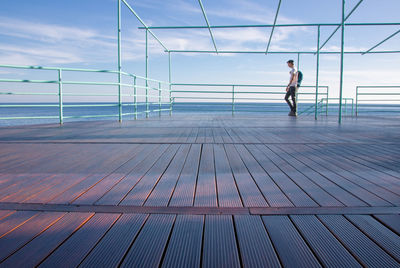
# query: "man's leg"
x,y
293,93
287,99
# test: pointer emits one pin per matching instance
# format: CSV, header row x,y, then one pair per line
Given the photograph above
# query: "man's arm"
x,y
290,81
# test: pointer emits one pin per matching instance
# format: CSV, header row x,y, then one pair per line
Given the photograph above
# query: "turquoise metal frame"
x,y
208,26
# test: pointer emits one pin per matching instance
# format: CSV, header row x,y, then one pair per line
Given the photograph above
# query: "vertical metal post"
x,y
147,82
327,99
60,96
233,99
356,101
298,61
296,93
119,62
317,75
134,96
169,80
159,99
341,65
352,107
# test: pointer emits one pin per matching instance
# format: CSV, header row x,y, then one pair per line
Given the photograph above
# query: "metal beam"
x,y
341,65
273,27
119,61
351,12
280,52
208,25
317,75
380,43
144,24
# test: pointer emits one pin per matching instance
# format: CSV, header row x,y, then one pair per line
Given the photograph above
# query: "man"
x,y
291,88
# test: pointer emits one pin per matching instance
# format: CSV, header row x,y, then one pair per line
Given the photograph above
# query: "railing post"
x,y
147,83
159,99
352,107
60,96
341,64
119,62
169,80
317,75
134,96
327,99
356,100
233,99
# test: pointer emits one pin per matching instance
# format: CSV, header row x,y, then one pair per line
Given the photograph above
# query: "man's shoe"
x,y
291,113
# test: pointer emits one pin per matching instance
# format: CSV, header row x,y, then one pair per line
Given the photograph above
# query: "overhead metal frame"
x,y
208,25
318,51
273,28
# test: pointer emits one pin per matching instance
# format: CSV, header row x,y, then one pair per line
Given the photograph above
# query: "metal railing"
x,y
237,96
386,100
160,87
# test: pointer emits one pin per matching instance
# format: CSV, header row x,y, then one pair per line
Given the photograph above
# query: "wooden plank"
x,y
206,192
219,249
365,250
377,232
72,251
5,213
369,181
328,249
111,249
40,247
294,158
148,248
162,192
249,192
391,221
17,238
15,220
185,244
351,187
272,193
228,195
291,190
317,193
142,164
186,185
140,192
256,249
387,181
290,246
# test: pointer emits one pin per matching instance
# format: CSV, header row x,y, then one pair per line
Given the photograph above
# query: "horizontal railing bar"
x,y
238,85
380,93
28,105
378,86
378,100
29,117
26,93
270,25
283,52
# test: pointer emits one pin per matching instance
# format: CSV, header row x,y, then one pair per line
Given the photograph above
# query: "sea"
x,y
178,108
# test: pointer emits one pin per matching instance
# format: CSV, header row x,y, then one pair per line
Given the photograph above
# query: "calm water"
x,y
275,108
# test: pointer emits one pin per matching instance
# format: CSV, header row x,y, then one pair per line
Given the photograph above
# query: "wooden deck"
x,y
201,190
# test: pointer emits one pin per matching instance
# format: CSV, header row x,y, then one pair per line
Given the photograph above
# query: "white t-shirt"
x,y
293,71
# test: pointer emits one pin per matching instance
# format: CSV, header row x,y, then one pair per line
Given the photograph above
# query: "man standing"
x,y
291,88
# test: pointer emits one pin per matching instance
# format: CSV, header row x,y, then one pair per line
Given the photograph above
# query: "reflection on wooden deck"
x,y
201,190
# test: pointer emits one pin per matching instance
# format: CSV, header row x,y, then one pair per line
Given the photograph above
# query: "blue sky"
x,y
82,33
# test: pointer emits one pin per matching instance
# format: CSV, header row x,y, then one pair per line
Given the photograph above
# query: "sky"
x,y
82,34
